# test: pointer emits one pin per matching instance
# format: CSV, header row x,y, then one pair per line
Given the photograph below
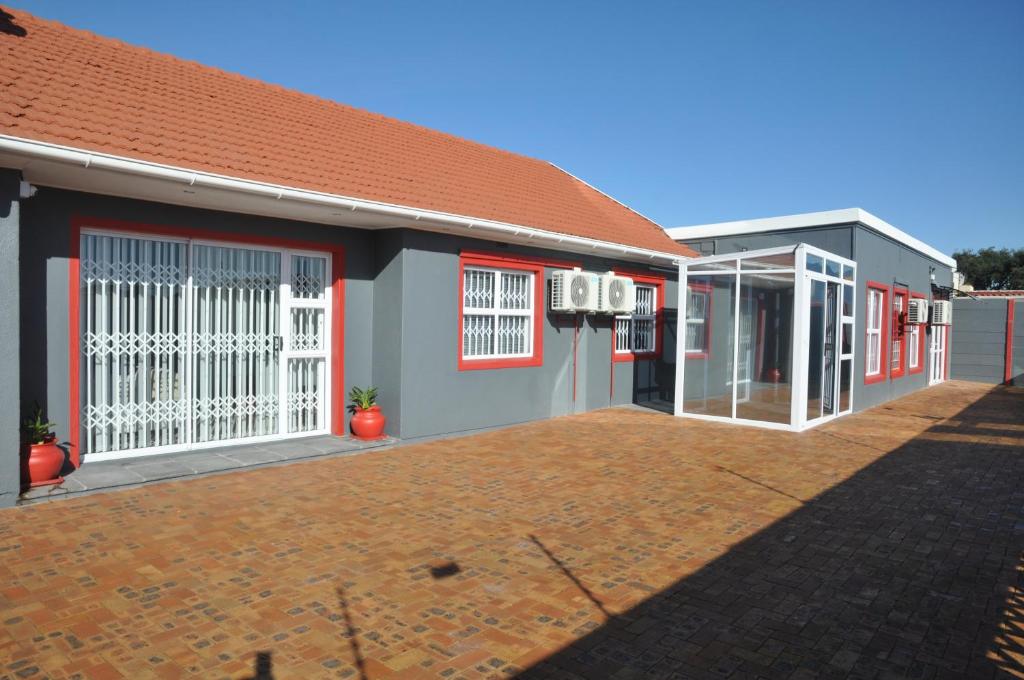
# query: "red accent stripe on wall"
x,y
336,251
1008,365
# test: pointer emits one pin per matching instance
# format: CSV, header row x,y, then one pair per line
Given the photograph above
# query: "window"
x,y
698,306
639,333
898,338
915,344
874,359
497,312
501,299
635,332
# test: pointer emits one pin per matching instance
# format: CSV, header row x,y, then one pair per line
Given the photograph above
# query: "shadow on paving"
x,y
907,568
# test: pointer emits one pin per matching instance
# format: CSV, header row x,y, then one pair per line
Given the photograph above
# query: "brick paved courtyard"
x,y
619,544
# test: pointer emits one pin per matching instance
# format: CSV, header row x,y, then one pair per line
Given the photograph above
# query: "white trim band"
x,y
93,159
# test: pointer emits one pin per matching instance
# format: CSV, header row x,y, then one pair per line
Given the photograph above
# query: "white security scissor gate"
x,y
186,343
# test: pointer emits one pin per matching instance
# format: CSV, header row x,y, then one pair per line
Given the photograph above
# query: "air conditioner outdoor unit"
x,y
573,290
942,313
917,311
618,294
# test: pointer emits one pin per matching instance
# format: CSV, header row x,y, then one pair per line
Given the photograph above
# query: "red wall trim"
x,y
74,332
508,261
504,259
659,315
899,330
1008,366
336,251
921,340
883,360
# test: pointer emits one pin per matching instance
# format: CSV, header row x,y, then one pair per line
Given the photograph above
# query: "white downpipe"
x,y
92,159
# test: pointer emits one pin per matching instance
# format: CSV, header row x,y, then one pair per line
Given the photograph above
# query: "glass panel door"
x,y
133,342
236,329
304,384
828,380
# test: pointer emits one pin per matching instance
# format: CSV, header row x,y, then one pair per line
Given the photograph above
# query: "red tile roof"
x,y
74,88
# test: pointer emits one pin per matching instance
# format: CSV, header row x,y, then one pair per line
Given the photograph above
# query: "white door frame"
x,y
937,348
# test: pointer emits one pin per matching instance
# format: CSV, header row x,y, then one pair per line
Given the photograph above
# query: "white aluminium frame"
x,y
802,277
286,304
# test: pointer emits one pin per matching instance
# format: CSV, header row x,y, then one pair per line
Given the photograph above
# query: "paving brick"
x,y
610,544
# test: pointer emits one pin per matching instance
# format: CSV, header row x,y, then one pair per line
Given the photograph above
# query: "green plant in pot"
x,y
45,458
367,420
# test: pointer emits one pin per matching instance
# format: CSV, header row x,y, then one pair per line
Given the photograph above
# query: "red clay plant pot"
x,y
44,462
773,375
368,423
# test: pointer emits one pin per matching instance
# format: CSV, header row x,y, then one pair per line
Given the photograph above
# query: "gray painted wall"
x,y
979,340
879,259
438,398
885,261
10,400
836,239
401,317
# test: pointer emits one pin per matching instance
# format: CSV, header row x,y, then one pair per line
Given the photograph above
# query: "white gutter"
x,y
103,161
804,220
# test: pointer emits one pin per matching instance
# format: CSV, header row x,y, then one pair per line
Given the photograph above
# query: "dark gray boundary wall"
x,y
45,244
437,398
10,435
979,341
879,259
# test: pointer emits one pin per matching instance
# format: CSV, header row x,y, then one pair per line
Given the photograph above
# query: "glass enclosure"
x,y
768,337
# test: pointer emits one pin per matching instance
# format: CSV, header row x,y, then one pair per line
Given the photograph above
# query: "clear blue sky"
x,y
689,112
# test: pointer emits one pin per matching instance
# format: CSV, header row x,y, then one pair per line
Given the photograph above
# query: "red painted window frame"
x,y
921,340
883,360
336,251
508,261
707,289
898,328
658,282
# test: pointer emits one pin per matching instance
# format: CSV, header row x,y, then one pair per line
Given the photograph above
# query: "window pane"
x,y
309,277
832,268
765,366
477,335
622,327
707,387
847,300
512,335
515,291
780,261
724,266
845,376
643,335
815,262
696,306
847,339
848,272
307,329
645,300
478,289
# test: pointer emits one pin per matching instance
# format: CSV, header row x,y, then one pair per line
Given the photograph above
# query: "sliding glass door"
x,y
188,344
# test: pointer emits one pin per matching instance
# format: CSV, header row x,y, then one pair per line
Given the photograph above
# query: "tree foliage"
x,y
992,268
